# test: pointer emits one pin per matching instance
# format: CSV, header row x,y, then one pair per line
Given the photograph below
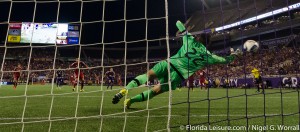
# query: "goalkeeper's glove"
x,y
237,52
180,26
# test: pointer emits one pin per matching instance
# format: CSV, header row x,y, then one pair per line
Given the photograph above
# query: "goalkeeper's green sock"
x,y
139,80
142,96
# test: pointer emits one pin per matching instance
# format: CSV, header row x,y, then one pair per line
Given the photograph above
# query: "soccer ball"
x,y
251,46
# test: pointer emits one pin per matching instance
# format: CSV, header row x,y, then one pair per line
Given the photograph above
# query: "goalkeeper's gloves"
x,y
180,26
237,52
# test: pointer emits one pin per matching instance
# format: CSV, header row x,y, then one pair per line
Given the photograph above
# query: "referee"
x,y
257,79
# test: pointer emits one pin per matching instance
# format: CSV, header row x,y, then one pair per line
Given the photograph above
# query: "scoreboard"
x,y
43,33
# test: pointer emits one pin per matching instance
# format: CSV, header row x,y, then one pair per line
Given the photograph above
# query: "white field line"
x,y
143,116
83,96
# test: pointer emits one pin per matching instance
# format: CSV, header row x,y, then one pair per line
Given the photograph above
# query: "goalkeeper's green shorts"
x,y
161,72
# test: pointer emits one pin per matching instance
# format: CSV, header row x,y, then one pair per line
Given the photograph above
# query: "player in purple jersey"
x,y
110,76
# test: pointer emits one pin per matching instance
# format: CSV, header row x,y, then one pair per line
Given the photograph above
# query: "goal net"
x,y
56,58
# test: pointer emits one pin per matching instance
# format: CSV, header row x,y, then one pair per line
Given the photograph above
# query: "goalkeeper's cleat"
x,y
119,96
73,89
81,90
127,103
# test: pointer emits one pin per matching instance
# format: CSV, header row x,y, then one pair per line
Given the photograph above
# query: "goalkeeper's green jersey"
x,y
193,55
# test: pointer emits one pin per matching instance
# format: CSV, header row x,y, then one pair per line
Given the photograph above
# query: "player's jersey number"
x,y
195,59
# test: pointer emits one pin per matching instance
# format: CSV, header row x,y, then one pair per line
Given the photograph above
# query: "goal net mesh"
x,y
130,37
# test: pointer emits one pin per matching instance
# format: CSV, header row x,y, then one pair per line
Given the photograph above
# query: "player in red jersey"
x,y
97,79
78,74
17,73
71,80
202,77
190,81
119,80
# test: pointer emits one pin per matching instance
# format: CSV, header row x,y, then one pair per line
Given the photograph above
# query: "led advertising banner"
x,y
73,34
14,33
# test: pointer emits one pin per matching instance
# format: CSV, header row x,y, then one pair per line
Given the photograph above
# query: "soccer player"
x,y
202,76
119,80
16,74
191,57
257,78
71,80
97,79
79,76
190,82
59,78
110,76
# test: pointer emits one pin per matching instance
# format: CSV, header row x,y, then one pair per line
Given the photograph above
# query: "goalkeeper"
x,y
191,57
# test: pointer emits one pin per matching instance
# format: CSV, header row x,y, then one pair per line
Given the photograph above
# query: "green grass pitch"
x,y
36,115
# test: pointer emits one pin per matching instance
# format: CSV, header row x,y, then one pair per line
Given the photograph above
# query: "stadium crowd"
x,y
274,62
271,62
268,23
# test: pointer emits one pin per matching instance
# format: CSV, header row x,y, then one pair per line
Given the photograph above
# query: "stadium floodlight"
x,y
259,17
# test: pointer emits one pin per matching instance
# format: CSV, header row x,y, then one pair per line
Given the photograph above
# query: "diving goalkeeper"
x,y
191,57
